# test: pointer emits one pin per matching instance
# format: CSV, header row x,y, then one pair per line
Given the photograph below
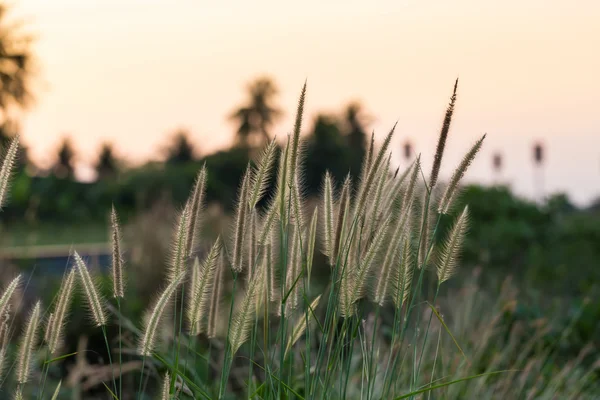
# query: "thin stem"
x,y
141,377
109,357
120,350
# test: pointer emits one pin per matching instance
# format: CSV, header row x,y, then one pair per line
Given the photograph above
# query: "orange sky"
x,y
132,71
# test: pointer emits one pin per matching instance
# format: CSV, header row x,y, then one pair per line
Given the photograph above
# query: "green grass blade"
x,y
439,317
60,358
441,385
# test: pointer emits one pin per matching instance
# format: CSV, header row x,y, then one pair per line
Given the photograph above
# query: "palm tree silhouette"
x,y
258,115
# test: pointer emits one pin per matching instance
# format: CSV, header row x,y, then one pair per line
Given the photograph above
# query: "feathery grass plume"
x,y
439,152
179,251
451,249
94,299
394,189
6,169
329,241
343,209
61,310
242,321
294,269
310,245
272,282
366,165
412,183
263,173
380,289
451,189
117,258
214,308
166,387
201,288
298,212
7,295
282,179
153,318
196,206
28,344
403,274
252,242
365,186
241,222
293,161
361,274
375,209
426,230
4,339
301,325
48,330
19,394
268,226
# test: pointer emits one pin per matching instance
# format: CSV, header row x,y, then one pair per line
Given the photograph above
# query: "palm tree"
x,y
107,165
258,115
181,150
64,164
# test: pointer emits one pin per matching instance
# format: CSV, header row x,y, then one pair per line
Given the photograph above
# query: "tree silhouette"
x,y
256,117
107,165
326,149
15,65
354,121
64,163
181,150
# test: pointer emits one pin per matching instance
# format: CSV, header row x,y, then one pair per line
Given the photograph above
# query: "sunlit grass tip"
x,y
27,345
92,294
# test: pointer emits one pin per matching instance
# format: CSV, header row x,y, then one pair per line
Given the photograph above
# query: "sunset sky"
x,y
131,72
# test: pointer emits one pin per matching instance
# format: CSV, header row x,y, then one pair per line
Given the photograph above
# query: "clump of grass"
x,y
250,299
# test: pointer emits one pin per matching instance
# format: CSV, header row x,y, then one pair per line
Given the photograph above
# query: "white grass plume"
x,y
92,294
202,286
294,269
263,174
196,202
297,208
310,245
366,185
439,152
243,318
282,182
268,224
241,222
179,251
328,234
154,317
382,281
449,256
361,274
403,274
214,309
375,209
117,257
342,219
165,393
294,150
301,325
7,294
252,242
28,345
368,160
450,192
61,311
6,169
4,340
